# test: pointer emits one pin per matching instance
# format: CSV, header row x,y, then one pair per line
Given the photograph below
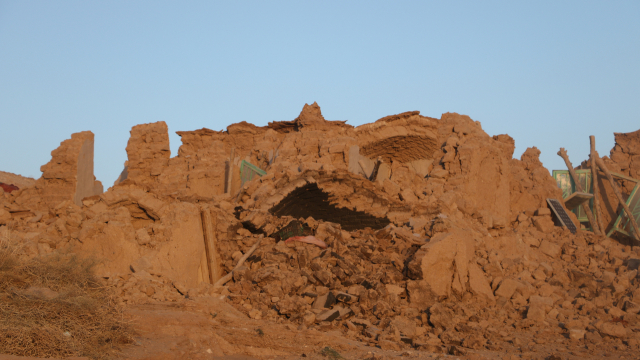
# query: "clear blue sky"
x,y
548,73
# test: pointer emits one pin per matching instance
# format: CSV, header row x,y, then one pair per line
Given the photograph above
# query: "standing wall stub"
x,y
69,174
148,152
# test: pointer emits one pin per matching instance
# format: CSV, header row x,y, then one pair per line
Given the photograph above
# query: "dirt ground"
x,y
209,328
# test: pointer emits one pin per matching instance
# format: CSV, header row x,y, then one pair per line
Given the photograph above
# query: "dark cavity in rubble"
x,y
309,201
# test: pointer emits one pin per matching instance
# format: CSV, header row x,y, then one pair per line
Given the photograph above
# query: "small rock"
x,y
507,288
551,249
576,334
328,315
255,314
456,351
613,330
536,313
543,224
324,301
309,318
142,236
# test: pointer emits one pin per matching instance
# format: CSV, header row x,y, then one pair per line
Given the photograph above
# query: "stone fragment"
x,y
474,341
363,322
324,301
576,334
323,276
539,274
478,283
309,318
536,313
443,263
441,317
507,288
394,289
255,314
593,337
142,236
551,249
406,326
328,315
344,297
438,173
543,223
615,330
541,300
608,277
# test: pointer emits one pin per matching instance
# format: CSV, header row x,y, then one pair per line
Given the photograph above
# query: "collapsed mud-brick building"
x,y
623,166
400,230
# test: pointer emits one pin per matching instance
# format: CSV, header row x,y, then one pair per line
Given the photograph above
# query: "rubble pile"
x,y
407,232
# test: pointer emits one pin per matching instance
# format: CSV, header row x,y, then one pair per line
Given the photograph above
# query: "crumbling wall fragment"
x,y
148,152
131,229
531,184
69,174
626,153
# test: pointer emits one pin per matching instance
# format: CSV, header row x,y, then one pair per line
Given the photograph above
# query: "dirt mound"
x,y
409,232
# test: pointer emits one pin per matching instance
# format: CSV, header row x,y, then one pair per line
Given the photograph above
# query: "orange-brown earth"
x,y
439,243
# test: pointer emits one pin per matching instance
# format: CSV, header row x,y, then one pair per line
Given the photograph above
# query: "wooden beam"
x,y
616,190
594,180
563,154
223,280
623,177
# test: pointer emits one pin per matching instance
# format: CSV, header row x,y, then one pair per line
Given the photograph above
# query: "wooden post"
x,y
594,179
213,262
229,173
563,154
619,196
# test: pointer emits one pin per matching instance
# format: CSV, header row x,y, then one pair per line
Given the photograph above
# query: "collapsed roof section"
x,y
310,201
339,197
404,138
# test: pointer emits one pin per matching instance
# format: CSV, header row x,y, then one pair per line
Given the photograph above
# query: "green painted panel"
x,y
248,171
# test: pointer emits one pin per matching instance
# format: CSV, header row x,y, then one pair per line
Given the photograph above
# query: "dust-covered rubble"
x,y
436,238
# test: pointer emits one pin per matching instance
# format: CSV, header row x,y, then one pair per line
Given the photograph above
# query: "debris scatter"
x,y
410,233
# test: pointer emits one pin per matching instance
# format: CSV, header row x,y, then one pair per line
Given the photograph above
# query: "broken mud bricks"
x,y
436,237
